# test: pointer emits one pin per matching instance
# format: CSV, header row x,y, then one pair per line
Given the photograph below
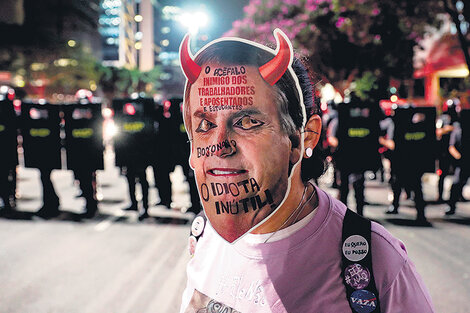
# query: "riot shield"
x,y
358,137
415,139
84,136
134,120
8,127
179,138
165,129
465,125
40,128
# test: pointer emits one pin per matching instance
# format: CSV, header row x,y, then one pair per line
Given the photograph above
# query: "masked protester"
x,y
272,240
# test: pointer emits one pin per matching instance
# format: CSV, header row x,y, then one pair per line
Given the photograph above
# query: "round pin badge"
x,y
357,276
355,248
363,301
192,245
197,227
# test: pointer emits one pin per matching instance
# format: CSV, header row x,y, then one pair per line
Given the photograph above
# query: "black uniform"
x,y
387,128
446,161
84,146
460,139
331,116
134,119
40,129
8,142
415,146
181,153
162,161
357,130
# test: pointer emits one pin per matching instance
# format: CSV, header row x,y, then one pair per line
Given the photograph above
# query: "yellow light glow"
x,y
38,66
71,43
19,81
138,18
394,98
461,71
138,45
62,62
165,42
93,85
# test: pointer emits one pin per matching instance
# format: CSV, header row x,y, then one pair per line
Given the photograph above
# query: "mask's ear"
x,y
312,134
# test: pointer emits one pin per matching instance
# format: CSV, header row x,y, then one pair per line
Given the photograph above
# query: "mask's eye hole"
x,y
205,126
247,122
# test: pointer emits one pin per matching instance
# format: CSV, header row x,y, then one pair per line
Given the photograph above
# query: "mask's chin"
x,y
229,226
232,226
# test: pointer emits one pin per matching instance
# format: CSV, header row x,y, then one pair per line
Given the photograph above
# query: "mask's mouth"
x,y
226,172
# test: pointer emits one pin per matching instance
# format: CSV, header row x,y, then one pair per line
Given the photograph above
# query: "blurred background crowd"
x,y
83,77
91,129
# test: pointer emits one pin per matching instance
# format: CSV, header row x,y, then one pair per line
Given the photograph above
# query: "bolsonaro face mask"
x,y
240,149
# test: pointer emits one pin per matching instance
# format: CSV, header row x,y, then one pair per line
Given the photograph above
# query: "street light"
x,y
193,21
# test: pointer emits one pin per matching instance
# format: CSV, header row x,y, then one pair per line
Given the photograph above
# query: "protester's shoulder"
x,y
338,209
380,236
388,252
390,259
395,274
385,240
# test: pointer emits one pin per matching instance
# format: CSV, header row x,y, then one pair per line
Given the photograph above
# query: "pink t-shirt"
x,y
300,273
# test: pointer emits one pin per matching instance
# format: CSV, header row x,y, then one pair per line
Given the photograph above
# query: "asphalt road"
x,y
114,263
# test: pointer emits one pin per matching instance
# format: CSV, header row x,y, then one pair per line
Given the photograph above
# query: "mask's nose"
x,y
224,146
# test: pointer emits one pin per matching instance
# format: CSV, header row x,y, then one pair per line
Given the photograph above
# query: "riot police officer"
x,y
444,127
459,148
414,139
327,118
134,119
84,146
181,152
163,162
40,129
8,143
355,134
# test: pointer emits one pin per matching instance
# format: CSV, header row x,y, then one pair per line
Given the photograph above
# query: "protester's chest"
x,y
305,278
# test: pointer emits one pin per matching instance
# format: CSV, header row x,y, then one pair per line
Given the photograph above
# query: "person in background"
x,y
404,176
162,160
8,141
444,127
457,149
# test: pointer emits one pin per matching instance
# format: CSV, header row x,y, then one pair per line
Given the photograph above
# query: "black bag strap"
x,y
356,269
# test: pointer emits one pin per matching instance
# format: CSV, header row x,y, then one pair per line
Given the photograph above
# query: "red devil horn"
x,y
274,69
190,68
